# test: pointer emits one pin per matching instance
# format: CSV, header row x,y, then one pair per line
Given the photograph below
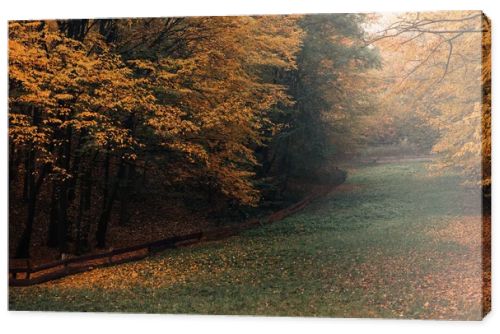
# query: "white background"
x,y
24,322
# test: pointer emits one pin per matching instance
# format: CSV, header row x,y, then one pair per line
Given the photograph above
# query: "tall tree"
x,y
329,89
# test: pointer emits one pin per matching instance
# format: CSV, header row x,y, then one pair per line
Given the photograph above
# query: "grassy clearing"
x,y
391,242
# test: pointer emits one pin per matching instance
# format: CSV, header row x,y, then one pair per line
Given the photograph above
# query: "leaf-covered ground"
x,y
391,242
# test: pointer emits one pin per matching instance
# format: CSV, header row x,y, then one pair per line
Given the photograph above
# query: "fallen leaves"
x,y
413,262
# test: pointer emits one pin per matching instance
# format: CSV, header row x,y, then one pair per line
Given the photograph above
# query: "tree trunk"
x,y
63,223
75,170
84,211
102,225
127,188
23,247
62,218
31,187
26,182
52,234
105,188
13,163
59,225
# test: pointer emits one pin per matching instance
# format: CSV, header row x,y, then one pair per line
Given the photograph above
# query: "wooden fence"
x,y
28,274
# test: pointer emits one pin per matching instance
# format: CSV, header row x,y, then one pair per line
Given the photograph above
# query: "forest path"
x,y
392,242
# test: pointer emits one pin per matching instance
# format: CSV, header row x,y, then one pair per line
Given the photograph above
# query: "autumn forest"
x,y
126,131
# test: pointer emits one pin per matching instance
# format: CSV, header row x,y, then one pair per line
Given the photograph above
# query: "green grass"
x,y
368,251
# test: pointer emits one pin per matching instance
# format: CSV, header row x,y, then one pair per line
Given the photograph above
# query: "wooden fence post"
x,y
28,270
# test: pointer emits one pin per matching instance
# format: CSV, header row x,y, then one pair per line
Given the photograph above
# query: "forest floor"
x,y
392,241
150,220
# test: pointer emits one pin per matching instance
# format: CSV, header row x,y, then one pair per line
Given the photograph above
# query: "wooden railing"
x,y
28,274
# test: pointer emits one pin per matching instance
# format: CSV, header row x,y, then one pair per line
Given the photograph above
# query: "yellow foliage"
x,y
438,72
204,106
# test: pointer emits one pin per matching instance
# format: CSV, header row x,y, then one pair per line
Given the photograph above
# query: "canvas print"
x,y
318,165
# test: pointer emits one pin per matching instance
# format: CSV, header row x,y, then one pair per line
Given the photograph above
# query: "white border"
x,y
50,322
